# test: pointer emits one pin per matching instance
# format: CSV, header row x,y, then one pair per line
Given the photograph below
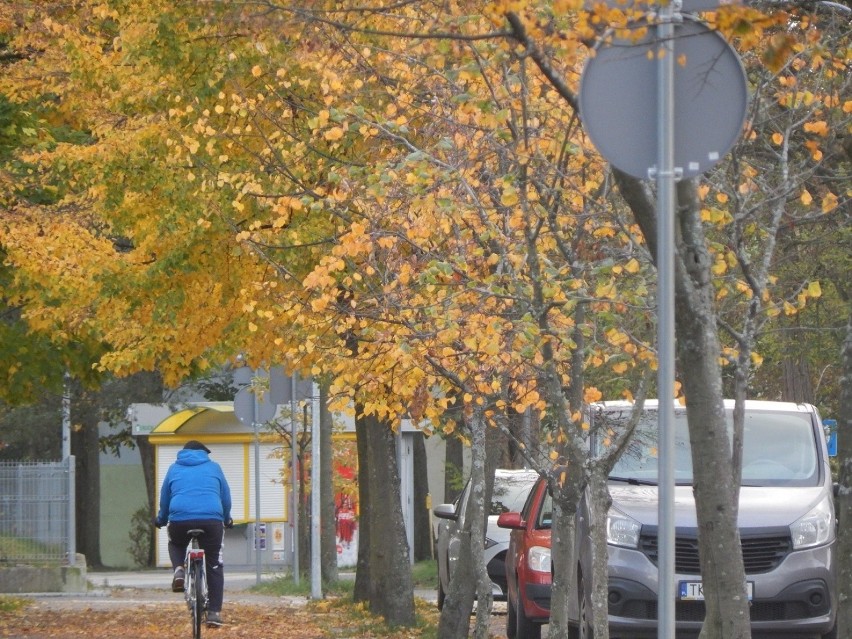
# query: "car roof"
x,y
754,404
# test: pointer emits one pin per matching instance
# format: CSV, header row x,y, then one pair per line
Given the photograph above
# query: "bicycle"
x,y
195,582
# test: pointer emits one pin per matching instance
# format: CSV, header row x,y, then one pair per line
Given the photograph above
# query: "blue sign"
x,y
830,426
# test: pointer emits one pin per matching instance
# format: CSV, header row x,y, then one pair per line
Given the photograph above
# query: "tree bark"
x,y
797,381
844,496
453,469
391,590
698,349
716,497
458,604
363,570
328,528
86,450
422,535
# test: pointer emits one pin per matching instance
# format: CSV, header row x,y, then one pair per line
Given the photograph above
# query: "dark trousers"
x,y
211,542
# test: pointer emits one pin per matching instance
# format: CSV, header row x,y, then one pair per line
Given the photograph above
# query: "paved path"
x,y
120,588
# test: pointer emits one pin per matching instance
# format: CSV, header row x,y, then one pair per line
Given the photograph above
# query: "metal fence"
x,y
37,511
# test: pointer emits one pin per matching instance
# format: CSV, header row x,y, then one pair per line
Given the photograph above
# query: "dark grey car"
x,y
786,518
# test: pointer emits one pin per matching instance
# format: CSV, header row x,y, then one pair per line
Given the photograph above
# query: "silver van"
x,y
786,518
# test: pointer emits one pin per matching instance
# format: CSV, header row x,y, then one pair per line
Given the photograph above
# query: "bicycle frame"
x,y
195,583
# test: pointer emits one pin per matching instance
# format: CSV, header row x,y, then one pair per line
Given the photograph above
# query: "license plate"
x,y
694,591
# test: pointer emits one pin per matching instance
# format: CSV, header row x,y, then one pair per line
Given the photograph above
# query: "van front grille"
x,y
760,554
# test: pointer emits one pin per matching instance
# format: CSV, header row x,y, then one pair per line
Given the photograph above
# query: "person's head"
x,y
194,444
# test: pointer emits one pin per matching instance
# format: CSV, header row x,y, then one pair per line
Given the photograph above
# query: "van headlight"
x,y
815,528
622,530
538,559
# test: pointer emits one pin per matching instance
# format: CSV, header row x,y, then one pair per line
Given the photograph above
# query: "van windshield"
x,y
779,449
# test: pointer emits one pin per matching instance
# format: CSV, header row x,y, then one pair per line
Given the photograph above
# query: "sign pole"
x,y
665,176
294,479
257,548
316,502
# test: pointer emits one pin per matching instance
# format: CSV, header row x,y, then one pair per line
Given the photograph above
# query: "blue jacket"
x,y
194,488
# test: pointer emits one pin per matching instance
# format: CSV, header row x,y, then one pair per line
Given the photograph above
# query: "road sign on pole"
x,y
618,107
698,109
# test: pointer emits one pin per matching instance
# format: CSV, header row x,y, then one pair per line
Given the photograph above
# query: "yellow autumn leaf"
x,y
619,368
256,71
756,359
806,198
777,138
605,291
591,395
509,197
334,134
829,203
814,289
632,266
820,127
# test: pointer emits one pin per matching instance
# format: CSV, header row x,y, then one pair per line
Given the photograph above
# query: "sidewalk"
x,y
119,588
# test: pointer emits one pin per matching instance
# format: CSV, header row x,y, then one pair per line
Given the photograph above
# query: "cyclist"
x,y
195,494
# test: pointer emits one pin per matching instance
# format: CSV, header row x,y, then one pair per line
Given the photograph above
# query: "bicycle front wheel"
x,y
197,598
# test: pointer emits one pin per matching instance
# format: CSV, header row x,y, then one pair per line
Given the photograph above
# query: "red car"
x,y
528,565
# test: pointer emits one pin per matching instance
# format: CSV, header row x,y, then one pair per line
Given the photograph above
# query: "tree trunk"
x,y
453,469
567,483
422,534
86,450
482,470
328,529
391,590
146,453
563,535
716,497
458,604
363,570
844,497
797,381
599,504
723,574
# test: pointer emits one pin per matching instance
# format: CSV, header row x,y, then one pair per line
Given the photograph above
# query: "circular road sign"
x,y
618,99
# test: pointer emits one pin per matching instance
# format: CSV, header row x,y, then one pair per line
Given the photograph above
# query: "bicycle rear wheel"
x,y
197,598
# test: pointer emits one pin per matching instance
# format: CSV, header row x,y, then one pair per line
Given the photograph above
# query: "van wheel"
x,y
831,634
441,595
524,627
584,611
511,619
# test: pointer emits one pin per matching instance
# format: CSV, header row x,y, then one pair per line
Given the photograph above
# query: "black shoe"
x,y
214,619
177,580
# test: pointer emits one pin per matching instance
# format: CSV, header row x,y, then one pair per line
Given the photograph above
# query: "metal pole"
x,y
72,516
316,505
254,418
665,315
66,416
71,541
294,480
